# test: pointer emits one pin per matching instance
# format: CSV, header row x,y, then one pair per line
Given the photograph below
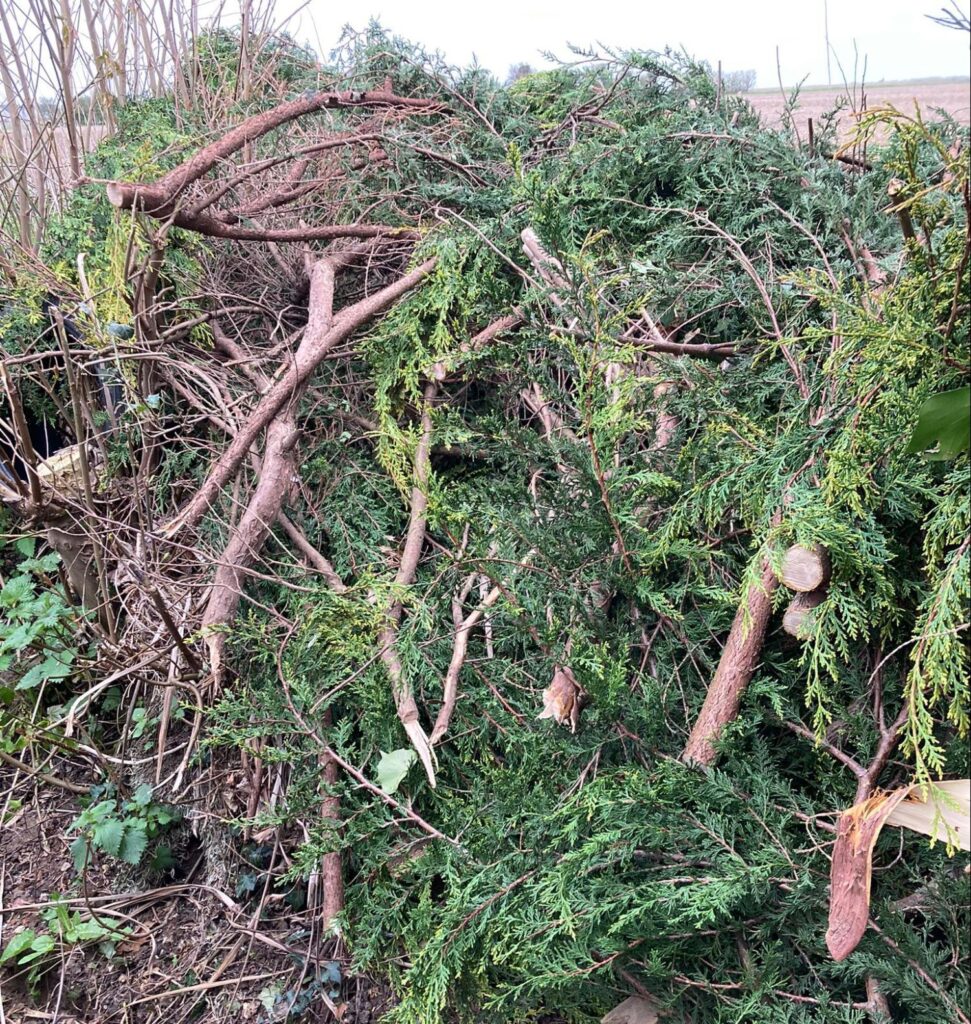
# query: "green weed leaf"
x,y
21,942
392,768
133,843
944,423
108,836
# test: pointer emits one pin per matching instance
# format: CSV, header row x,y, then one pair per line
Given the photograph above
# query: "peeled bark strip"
x,y
851,871
805,568
738,661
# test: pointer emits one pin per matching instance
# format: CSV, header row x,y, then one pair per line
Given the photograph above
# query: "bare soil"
x,y
194,953
815,103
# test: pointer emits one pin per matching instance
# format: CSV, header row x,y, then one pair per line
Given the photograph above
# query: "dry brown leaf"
x,y
563,699
635,1010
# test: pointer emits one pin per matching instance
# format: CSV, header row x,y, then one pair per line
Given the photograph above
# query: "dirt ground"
x,y
193,952
954,97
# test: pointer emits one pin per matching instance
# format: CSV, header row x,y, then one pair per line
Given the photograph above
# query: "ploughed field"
x,y
815,102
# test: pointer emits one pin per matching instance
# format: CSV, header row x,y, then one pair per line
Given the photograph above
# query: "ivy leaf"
x,y
944,420
133,844
392,768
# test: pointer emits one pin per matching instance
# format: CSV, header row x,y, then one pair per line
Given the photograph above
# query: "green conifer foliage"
x,y
623,495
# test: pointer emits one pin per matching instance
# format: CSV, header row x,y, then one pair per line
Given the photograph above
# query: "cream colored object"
x,y
61,472
945,814
635,1010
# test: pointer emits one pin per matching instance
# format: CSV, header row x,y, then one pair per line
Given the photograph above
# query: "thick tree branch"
x,y
739,658
320,336
253,128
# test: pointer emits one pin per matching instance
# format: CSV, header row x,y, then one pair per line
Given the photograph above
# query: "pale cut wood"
x,y
945,814
800,617
805,568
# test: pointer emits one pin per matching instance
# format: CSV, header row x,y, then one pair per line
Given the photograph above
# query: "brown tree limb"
x,y
319,337
463,628
170,185
313,556
548,267
331,872
439,370
249,535
22,438
735,669
404,697
163,208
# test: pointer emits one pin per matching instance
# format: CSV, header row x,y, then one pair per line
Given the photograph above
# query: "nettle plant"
x,y
37,951
37,625
123,829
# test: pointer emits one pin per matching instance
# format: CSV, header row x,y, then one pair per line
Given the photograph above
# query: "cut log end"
x,y
805,568
117,194
800,617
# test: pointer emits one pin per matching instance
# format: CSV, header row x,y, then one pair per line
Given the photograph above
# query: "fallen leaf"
x,y
634,1010
944,424
563,699
393,767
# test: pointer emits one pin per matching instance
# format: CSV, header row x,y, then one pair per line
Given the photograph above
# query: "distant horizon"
x,y
879,40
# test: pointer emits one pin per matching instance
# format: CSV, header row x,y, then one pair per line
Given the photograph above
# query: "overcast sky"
x,y
895,36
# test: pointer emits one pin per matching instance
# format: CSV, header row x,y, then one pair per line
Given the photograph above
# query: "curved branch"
x,y
404,697
200,163
321,335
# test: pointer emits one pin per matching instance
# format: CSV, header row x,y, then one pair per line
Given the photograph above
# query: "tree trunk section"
x,y
800,617
805,568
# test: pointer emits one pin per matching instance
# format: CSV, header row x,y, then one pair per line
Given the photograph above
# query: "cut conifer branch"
x,y
805,569
799,618
404,696
741,654
155,197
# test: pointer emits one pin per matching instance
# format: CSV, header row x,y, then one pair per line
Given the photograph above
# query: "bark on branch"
x,y
404,697
253,128
739,658
320,337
